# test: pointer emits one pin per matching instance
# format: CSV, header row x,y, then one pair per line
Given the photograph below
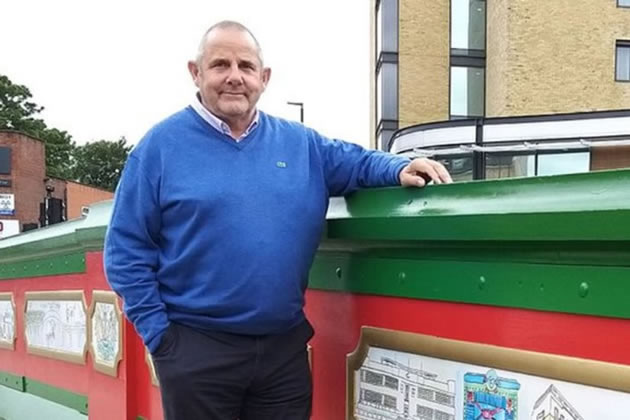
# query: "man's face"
x,y
229,75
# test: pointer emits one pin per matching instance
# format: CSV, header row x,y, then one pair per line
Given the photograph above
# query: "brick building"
x,y
447,60
30,199
79,196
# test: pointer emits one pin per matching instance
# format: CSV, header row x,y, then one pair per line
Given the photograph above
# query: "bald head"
x,y
227,25
230,74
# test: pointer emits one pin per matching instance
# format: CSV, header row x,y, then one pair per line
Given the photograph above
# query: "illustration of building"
x,y
490,397
390,390
499,62
552,405
7,321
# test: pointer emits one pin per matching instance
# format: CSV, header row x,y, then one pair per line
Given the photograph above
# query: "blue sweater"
x,y
220,235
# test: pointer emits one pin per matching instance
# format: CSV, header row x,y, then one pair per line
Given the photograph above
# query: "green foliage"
x,y
100,163
17,112
59,153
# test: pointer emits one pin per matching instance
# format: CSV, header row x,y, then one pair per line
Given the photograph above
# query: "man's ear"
x,y
193,68
266,75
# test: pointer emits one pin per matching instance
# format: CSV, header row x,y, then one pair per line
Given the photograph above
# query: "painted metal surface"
x,y
578,207
338,317
66,384
579,289
22,406
60,396
542,263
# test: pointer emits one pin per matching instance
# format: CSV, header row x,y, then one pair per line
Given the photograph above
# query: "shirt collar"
x,y
218,123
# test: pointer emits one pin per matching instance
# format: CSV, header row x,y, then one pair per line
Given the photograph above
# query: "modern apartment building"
x,y
476,60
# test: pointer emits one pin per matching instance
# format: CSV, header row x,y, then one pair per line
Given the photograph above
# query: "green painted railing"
x,y
559,243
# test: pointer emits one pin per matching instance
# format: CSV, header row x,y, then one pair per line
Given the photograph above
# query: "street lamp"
x,y
301,105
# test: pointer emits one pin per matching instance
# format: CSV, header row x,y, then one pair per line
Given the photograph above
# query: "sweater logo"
x,y
281,164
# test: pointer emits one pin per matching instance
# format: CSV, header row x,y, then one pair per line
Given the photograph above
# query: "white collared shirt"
x,y
218,123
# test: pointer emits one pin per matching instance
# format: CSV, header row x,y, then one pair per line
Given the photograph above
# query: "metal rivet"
x,y
583,289
482,283
338,272
402,276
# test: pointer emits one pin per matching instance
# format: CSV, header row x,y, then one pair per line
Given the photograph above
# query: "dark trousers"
x,y
219,376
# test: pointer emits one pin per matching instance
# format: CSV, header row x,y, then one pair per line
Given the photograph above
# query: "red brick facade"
x,y
30,186
28,170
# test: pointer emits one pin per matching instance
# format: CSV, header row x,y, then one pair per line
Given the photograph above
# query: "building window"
x,y
509,166
371,397
386,26
440,415
563,163
623,61
391,382
372,378
5,160
389,402
501,165
468,59
460,167
386,103
387,92
444,399
468,24
424,413
623,3
467,92
425,394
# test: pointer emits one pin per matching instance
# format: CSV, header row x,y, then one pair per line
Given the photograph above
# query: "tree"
x,y
100,163
59,153
17,112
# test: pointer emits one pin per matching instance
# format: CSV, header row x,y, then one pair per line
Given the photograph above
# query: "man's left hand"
x,y
422,170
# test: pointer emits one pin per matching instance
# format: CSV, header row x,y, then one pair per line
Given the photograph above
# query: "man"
x,y
215,224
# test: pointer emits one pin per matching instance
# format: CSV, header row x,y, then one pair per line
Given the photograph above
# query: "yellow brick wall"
x,y
497,56
554,56
423,57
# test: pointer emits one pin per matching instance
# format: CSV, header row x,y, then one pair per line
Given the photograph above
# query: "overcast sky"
x,y
105,69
